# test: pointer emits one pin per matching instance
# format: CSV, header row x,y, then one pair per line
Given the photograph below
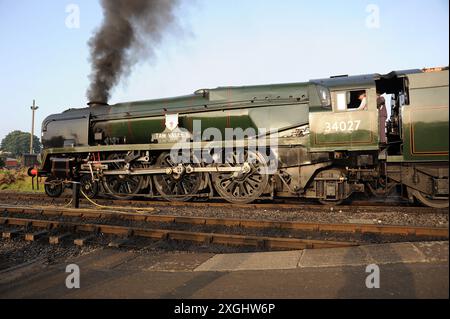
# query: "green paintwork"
x,y
269,118
270,107
265,106
350,130
425,119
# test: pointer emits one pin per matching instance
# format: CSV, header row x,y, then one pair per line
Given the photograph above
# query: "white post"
x,y
33,109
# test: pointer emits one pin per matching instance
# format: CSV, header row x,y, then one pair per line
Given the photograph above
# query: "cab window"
x,y
351,100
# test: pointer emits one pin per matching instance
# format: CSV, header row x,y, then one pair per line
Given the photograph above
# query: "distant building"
x,y
11,163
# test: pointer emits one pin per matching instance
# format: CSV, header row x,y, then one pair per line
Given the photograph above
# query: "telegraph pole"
x,y
33,109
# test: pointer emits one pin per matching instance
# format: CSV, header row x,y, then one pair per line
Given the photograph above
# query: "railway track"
x,y
52,222
56,231
286,205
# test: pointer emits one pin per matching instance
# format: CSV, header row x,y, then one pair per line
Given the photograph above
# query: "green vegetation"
x,y
18,143
2,162
18,181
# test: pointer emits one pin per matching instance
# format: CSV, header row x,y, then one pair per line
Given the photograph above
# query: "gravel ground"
x,y
17,251
384,216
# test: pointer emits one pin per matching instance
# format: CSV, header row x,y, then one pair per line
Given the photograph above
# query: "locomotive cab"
x,y
414,157
350,121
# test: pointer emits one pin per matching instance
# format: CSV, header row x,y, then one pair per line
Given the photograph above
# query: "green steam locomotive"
x,y
324,139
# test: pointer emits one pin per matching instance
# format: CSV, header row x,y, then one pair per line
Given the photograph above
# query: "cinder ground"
x,y
407,270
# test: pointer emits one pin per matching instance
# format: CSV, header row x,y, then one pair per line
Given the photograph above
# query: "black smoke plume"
x,y
130,31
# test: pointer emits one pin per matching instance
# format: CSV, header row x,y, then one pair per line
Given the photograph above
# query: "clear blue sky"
x,y
225,42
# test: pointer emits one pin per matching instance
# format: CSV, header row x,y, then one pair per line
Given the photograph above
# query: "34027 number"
x,y
342,126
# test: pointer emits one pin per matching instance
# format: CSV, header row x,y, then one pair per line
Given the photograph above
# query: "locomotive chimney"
x,y
96,103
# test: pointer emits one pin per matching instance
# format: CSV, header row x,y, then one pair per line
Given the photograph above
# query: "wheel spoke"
x,y
242,187
122,187
176,188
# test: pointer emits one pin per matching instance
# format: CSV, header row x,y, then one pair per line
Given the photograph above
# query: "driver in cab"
x,y
363,98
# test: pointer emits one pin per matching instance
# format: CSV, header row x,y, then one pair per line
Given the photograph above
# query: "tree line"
x,y
18,143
